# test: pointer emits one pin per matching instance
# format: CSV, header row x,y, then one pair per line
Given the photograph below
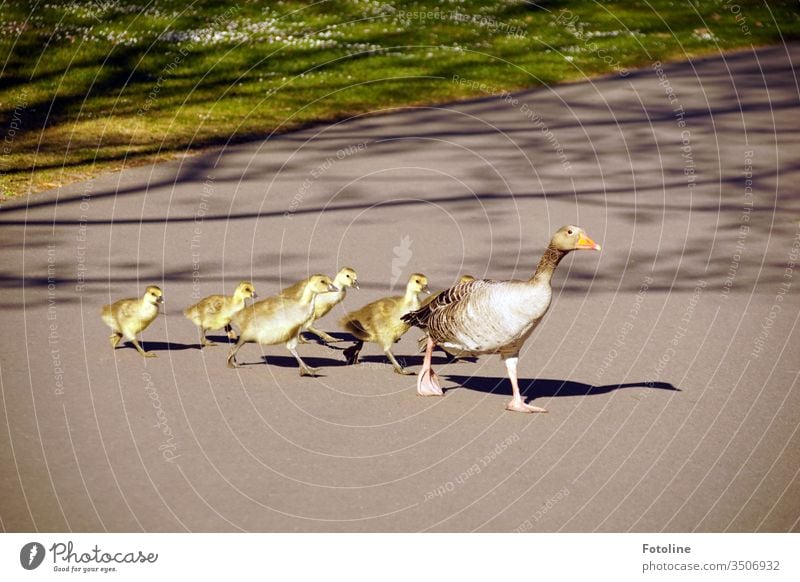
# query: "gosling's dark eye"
x,y
569,232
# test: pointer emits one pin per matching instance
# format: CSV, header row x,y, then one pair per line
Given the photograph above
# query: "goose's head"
x,y
573,238
417,283
347,277
320,284
153,295
246,289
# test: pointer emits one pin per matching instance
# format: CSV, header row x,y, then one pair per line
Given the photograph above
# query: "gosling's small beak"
x,y
426,289
355,284
160,299
254,295
587,244
332,287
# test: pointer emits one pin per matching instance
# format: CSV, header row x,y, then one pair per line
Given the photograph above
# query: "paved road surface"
x,y
668,362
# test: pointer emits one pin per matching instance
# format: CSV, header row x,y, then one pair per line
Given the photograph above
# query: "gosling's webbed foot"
x,y
208,343
114,339
428,384
309,371
140,349
404,371
232,363
520,406
327,338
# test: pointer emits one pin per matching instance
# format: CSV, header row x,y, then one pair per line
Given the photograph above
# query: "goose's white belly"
x,y
505,318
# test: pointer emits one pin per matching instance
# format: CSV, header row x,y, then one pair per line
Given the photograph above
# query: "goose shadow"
x,y
544,387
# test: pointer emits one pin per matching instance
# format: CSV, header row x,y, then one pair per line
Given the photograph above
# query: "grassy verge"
x,y
94,85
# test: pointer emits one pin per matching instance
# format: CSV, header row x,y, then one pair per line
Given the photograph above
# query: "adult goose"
x,y
493,317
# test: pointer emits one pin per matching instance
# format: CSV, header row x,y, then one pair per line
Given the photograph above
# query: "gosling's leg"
x,y
204,341
351,353
427,380
114,339
230,332
516,404
141,351
305,370
232,354
328,339
397,367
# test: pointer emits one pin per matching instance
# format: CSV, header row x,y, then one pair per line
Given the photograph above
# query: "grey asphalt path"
x,y
668,362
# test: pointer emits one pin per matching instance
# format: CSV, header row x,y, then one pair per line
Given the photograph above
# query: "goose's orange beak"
x,y
587,244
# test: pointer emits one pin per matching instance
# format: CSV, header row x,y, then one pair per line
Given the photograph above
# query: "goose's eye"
x,y
569,232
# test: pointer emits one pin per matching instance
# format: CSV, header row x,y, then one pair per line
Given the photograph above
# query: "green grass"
x,y
95,85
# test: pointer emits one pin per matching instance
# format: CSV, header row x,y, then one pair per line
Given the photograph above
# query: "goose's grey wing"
x,y
452,311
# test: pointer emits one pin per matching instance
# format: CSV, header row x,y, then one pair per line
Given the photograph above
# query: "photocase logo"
x,y
31,555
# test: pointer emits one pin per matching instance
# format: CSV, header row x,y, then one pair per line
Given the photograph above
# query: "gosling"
x,y
381,322
277,320
345,278
216,311
129,317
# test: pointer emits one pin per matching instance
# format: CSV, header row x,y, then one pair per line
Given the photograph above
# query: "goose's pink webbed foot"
x,y
427,380
428,383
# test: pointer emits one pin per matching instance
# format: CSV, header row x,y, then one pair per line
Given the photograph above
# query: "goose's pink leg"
x,y
427,380
517,404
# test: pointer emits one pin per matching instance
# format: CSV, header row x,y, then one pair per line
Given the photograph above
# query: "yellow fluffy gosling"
x,y
279,320
345,278
129,317
216,311
380,321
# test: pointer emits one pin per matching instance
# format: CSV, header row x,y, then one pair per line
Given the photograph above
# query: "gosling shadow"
x,y
544,387
221,339
159,346
290,362
405,361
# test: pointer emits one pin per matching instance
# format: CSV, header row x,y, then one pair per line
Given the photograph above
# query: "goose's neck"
x,y
547,265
